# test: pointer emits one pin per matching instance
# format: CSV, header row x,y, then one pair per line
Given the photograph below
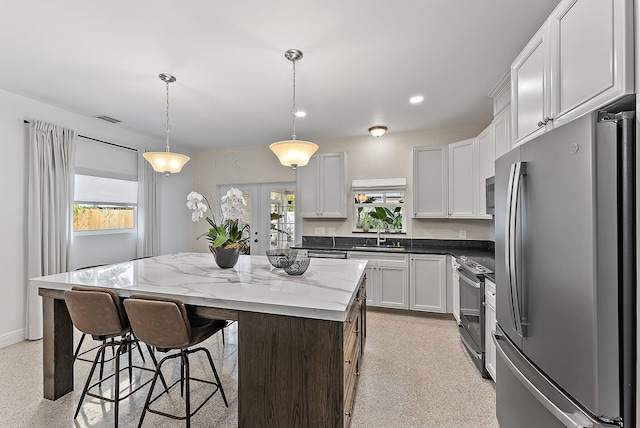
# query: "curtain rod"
x,y
101,141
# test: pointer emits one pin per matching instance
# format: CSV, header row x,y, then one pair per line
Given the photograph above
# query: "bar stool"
x,y
78,353
164,324
98,312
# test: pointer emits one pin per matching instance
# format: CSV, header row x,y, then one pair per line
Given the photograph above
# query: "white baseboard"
x,y
12,337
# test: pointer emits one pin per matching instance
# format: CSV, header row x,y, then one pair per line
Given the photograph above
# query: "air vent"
x,y
107,118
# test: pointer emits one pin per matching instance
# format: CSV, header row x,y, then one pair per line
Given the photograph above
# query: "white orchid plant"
x,y
230,233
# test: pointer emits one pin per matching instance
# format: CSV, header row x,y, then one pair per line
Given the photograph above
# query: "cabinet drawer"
x,y
350,381
354,311
377,257
490,298
351,335
351,358
490,294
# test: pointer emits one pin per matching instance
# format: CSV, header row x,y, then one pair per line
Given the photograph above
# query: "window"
x,y
384,208
104,204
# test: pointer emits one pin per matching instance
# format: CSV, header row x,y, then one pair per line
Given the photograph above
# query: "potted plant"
x,y
229,237
387,218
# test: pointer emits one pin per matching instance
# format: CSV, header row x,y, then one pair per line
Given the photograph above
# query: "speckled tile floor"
x,y
416,373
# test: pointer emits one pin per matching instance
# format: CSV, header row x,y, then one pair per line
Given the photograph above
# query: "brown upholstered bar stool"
x,y
164,324
98,312
77,355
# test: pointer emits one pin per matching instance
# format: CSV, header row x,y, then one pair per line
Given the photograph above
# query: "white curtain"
x,y
148,212
50,214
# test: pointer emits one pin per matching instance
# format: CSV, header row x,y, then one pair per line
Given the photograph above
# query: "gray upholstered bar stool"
x,y
165,324
98,312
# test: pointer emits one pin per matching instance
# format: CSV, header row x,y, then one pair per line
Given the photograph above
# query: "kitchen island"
x,y
300,338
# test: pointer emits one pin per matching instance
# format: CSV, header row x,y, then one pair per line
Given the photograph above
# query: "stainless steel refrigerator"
x,y
566,275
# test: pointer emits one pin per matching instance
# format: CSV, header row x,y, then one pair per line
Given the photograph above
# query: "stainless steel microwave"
x,y
490,192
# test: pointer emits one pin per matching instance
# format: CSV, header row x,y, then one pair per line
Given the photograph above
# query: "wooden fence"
x,y
103,218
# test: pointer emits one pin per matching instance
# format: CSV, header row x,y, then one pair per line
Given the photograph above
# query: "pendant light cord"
x,y
167,127
293,110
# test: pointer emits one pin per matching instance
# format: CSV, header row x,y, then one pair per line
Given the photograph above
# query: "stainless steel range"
x,y
472,309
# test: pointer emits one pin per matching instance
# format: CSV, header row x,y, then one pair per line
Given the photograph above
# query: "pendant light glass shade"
x,y
294,152
167,162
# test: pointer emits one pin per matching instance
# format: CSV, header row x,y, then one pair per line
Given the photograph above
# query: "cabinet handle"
x,y
348,361
356,374
545,121
357,332
349,321
484,303
348,414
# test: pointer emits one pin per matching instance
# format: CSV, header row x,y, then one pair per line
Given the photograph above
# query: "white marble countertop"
x,y
324,291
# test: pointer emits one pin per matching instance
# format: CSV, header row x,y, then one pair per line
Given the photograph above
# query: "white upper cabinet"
x,y
592,53
322,186
500,133
462,179
485,150
530,87
501,125
430,182
580,60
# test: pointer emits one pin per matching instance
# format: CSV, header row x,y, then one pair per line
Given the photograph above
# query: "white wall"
x,y
390,156
367,157
175,221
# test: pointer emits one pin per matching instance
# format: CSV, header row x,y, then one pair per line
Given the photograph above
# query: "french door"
x,y
270,211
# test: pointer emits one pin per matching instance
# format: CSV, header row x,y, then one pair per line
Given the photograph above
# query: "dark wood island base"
x,y
292,372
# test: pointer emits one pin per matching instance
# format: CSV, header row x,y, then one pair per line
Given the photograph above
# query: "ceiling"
x,y
362,62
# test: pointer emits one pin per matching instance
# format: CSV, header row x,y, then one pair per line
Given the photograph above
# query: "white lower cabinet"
x,y
490,327
455,295
428,283
387,278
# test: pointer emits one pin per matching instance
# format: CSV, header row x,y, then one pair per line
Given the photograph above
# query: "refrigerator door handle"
x,y
569,420
507,242
518,169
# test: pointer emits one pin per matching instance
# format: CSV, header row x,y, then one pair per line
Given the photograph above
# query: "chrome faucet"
x,y
380,240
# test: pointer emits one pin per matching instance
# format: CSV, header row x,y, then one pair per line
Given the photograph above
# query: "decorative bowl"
x,y
298,267
281,258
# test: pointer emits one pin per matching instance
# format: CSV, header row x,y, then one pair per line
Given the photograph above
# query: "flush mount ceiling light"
x,y
417,99
377,131
294,153
166,161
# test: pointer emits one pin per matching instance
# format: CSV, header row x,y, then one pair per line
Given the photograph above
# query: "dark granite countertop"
x,y
480,251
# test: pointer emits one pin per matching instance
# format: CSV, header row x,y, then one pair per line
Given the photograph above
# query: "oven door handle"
x,y
465,278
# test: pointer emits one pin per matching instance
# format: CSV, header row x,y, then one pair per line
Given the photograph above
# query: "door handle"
x,y
474,284
518,169
570,420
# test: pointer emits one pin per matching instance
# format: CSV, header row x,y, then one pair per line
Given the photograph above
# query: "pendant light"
x,y
294,152
166,161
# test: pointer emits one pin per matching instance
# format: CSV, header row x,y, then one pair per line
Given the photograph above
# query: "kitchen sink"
x,y
379,248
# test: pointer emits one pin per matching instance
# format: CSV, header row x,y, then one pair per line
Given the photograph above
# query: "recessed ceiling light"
x,y
300,114
417,99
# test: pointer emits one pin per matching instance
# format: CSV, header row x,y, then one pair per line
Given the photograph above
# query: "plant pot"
x,y
225,257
